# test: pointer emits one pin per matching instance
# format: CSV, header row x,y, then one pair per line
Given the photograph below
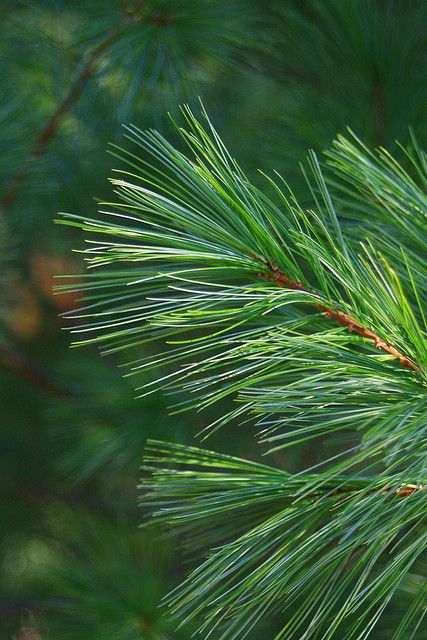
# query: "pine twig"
x,y
402,492
12,359
282,280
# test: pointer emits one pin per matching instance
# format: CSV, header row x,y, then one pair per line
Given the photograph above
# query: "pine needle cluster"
x,y
309,320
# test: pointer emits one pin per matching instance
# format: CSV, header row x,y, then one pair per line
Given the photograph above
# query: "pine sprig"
x,y
325,557
314,334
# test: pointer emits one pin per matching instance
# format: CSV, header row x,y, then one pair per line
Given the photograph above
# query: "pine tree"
x,y
317,332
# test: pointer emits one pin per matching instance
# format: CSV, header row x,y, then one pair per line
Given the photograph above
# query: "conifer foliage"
x,y
309,320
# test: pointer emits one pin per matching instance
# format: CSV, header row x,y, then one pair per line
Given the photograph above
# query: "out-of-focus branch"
x,y
51,126
131,13
80,500
18,363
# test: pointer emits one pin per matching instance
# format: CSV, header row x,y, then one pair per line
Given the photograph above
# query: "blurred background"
x,y
277,78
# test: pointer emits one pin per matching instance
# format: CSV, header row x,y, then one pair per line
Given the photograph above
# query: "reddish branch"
x,y
407,489
282,280
402,492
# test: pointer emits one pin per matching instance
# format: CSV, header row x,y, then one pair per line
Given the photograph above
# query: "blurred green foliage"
x,y
277,77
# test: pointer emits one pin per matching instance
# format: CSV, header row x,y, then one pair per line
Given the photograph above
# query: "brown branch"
x,y
54,121
402,492
407,489
282,280
380,119
130,15
74,92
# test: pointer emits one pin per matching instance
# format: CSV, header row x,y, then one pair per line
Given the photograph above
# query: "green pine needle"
x,y
314,332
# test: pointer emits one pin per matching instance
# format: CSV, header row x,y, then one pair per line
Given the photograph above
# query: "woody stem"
x,y
282,280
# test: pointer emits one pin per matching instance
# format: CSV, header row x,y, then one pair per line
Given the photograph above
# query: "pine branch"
x,y
217,226
329,548
283,545
207,22
342,318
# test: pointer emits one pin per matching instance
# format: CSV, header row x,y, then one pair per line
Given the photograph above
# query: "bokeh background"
x,y
277,77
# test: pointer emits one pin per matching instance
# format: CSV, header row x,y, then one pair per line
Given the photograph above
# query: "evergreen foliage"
x,y
315,335
210,321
